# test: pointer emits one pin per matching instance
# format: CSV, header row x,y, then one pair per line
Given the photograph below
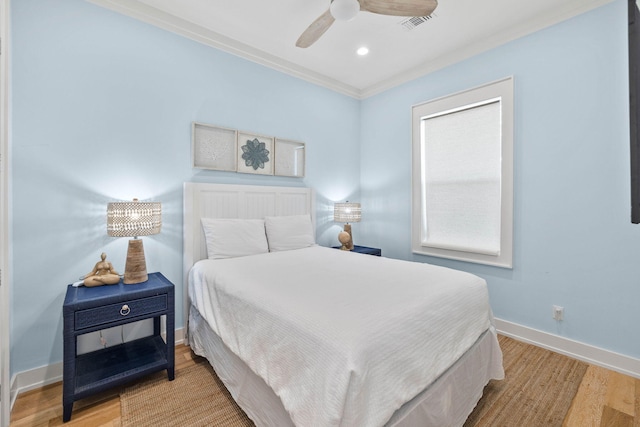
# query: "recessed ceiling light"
x,y
362,51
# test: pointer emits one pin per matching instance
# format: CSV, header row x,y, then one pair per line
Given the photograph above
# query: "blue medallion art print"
x,y
255,154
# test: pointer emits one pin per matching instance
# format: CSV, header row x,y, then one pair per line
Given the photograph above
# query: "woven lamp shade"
x,y
133,219
347,212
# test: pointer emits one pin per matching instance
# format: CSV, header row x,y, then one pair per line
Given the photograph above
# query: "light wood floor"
x,y
604,399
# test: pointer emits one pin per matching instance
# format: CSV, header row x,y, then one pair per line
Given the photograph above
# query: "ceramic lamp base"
x,y
135,270
348,246
344,238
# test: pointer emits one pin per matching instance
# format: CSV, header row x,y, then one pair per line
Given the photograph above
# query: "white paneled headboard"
x,y
235,201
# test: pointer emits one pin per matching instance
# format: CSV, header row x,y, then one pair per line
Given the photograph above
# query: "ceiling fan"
x,y
345,10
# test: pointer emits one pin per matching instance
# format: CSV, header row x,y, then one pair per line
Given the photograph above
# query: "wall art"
x,y
213,147
289,158
255,154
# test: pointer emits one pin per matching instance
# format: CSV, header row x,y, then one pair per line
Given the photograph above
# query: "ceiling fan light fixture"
x,y
344,10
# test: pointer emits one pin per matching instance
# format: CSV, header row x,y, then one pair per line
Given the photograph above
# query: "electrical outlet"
x,y
558,312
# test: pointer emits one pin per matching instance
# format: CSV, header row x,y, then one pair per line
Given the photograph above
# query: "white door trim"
x,y
5,386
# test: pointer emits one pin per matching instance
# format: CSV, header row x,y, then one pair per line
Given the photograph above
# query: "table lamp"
x,y
346,212
133,219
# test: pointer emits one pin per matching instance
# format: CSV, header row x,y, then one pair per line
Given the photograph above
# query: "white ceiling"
x,y
265,31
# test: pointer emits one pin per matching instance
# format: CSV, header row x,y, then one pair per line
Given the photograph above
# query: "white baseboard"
x,y
49,374
575,349
39,377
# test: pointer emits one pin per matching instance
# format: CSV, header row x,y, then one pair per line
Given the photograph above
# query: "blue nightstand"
x,y
363,250
92,309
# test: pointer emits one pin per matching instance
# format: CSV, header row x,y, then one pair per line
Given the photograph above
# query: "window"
x,y
463,175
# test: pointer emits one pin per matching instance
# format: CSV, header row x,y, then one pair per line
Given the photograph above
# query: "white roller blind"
x,y
461,172
462,175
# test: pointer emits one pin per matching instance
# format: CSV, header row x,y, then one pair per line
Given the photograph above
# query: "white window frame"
x,y
503,91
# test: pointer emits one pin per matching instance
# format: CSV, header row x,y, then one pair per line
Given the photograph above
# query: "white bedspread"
x,y
343,339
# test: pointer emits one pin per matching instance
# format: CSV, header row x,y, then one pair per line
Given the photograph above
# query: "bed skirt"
x,y
447,401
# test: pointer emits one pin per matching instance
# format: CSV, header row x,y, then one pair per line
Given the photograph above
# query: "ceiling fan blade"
x,y
315,30
399,7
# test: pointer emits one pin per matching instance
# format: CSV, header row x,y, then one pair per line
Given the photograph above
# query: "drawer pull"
x,y
125,310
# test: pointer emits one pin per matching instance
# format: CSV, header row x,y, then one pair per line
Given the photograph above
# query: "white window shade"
x,y
462,196
461,179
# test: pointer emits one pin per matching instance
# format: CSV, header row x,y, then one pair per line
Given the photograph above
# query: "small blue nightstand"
x,y
92,309
363,250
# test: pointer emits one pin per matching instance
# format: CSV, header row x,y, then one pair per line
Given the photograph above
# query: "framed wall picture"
x,y
289,158
255,154
213,147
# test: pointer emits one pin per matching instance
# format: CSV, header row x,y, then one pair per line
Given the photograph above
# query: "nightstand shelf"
x,y
364,250
119,364
92,309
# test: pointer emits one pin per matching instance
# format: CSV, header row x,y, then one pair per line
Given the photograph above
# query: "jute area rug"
x,y
538,388
196,397
537,391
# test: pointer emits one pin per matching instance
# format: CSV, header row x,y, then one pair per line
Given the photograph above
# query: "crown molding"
x,y
484,45
166,21
211,38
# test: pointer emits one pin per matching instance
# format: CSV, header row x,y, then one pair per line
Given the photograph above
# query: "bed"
x,y
312,336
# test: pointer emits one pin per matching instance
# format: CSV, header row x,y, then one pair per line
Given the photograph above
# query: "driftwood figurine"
x,y
102,274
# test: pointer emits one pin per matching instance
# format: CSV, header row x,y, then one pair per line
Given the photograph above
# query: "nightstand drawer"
x,y
111,313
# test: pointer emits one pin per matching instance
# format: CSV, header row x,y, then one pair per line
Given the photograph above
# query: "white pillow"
x,y
229,238
289,232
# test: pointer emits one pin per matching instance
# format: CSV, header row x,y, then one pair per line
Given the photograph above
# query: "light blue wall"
x,y
102,107
574,243
102,111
